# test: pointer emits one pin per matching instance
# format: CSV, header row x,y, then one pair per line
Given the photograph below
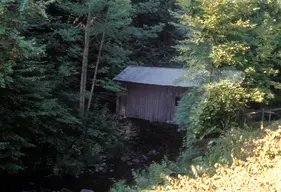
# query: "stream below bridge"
x,y
151,144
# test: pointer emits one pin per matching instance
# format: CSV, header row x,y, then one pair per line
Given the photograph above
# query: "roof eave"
x,y
165,85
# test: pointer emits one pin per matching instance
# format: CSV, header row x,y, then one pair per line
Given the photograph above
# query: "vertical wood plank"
x,y
150,102
117,110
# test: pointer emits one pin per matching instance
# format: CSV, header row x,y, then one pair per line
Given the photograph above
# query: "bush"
x,y
121,186
156,173
212,108
148,178
98,133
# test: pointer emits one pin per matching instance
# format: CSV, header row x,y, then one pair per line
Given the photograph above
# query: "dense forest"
x,y
58,59
57,64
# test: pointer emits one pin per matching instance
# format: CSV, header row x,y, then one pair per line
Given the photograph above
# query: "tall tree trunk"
x,y
83,80
97,64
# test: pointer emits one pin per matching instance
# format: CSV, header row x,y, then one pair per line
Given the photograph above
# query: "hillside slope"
x,y
256,167
248,161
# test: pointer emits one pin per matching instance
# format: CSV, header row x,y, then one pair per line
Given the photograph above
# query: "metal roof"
x,y
155,76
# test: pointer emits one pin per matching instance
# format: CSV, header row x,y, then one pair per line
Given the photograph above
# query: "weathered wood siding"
x,y
149,102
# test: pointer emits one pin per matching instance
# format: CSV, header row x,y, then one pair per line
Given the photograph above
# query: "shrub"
x,y
98,133
121,186
148,178
212,108
154,174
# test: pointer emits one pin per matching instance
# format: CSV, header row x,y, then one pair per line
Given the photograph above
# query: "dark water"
x,y
150,145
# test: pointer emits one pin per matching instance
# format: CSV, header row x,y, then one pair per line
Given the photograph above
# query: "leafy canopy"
x,y
243,35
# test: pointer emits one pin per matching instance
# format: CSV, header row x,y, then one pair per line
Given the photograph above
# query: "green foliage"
x,y
156,50
212,108
41,47
39,124
121,186
225,34
155,173
241,34
13,45
97,134
25,90
121,36
146,179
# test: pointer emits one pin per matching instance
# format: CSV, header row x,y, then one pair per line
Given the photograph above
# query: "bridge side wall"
x,y
149,102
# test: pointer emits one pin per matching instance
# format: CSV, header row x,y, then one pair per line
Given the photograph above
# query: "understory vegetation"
x,y
242,160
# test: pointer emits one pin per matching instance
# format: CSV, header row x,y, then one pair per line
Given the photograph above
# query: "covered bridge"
x,y
152,93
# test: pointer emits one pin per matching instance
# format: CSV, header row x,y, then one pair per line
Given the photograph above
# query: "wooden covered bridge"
x,y
152,93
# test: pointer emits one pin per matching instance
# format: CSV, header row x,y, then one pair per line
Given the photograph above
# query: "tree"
x,y
234,34
112,23
157,50
97,63
29,113
229,35
54,58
